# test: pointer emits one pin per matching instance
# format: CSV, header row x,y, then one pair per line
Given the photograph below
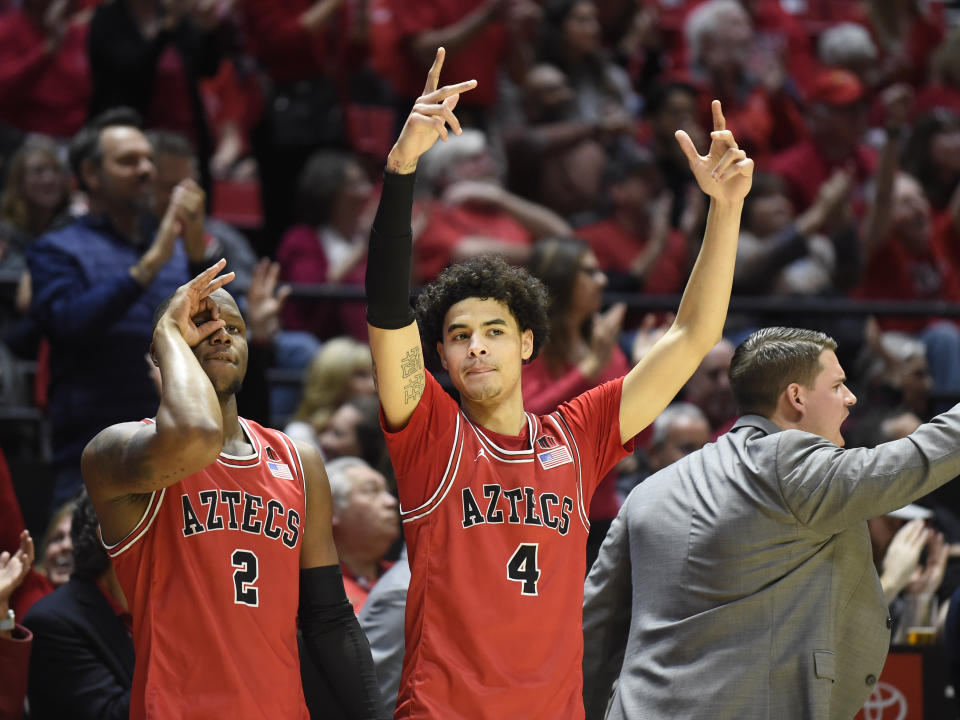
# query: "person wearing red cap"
x,y
836,120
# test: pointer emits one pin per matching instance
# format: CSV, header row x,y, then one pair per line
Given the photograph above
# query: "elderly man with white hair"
x,y
366,522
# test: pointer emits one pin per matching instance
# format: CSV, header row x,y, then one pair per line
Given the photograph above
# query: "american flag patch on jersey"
x,y
553,457
279,470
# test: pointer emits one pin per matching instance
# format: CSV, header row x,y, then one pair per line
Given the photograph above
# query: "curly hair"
x,y
487,277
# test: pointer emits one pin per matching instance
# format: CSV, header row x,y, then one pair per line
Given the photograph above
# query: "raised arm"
x,y
394,336
725,174
125,462
331,632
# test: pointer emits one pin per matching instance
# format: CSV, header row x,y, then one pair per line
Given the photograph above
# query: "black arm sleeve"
x,y
389,255
335,642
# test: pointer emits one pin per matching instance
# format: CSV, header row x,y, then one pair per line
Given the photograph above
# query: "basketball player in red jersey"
x,y
494,500
220,534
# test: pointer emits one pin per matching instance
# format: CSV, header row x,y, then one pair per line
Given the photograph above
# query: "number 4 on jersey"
x,y
522,568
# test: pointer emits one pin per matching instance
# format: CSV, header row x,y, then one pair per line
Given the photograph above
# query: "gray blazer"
x,y
738,582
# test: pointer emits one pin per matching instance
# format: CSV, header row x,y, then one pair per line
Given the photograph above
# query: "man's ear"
x,y
526,344
443,360
796,397
90,173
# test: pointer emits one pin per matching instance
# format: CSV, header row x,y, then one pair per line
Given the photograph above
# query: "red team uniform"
x,y
207,575
496,528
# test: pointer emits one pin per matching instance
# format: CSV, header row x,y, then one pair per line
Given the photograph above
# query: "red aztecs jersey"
x,y
496,529
211,574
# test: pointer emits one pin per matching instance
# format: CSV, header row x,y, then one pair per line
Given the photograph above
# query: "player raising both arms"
x,y
220,535
495,500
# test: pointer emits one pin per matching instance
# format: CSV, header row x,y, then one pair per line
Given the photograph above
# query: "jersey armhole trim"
x,y
139,530
561,424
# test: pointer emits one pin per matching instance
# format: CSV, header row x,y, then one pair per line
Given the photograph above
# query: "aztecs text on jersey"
x,y
210,574
496,529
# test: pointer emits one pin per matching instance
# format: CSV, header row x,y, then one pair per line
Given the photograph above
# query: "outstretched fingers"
x,y
719,122
687,146
218,282
433,77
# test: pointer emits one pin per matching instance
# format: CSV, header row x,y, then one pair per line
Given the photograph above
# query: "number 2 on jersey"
x,y
244,577
522,568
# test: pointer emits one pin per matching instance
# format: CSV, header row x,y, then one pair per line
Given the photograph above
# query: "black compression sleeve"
x,y
336,643
389,256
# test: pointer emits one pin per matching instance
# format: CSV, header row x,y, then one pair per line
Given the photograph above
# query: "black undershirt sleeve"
x,y
389,255
336,643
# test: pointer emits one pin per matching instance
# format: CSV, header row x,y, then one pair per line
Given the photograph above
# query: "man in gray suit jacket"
x,y
738,582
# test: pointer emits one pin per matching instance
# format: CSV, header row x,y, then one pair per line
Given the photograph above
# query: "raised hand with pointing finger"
x,y
725,172
428,120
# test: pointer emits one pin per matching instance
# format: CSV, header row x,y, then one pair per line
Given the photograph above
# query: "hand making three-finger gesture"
x,y
193,299
428,120
725,172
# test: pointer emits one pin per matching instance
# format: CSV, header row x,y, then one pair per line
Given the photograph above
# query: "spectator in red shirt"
x,y
762,113
329,245
470,212
581,352
366,522
848,46
906,32
44,72
836,121
555,157
932,155
636,246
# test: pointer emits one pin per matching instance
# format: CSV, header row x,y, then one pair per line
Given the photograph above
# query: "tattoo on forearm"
x,y
414,389
376,378
411,363
399,168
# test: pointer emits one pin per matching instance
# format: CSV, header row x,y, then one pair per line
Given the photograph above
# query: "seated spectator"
x,y
679,430
570,40
470,212
176,162
780,253
366,522
34,201
340,370
81,665
101,276
670,106
836,121
636,246
905,260
848,46
55,556
555,157
150,57
382,619
329,245
897,374
906,33
909,585
44,71
354,431
757,104
709,389
15,640
932,156
582,350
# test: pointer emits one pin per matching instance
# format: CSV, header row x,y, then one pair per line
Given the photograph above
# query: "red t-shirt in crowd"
x,y
805,169
496,528
210,574
894,274
43,92
447,225
616,249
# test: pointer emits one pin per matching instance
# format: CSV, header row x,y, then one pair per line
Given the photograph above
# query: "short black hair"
x,y
489,277
85,145
90,560
320,182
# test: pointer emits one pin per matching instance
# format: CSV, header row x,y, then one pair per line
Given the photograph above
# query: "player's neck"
x,y
504,417
235,441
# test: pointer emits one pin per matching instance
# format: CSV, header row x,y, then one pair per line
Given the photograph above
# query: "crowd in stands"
x,y
141,140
